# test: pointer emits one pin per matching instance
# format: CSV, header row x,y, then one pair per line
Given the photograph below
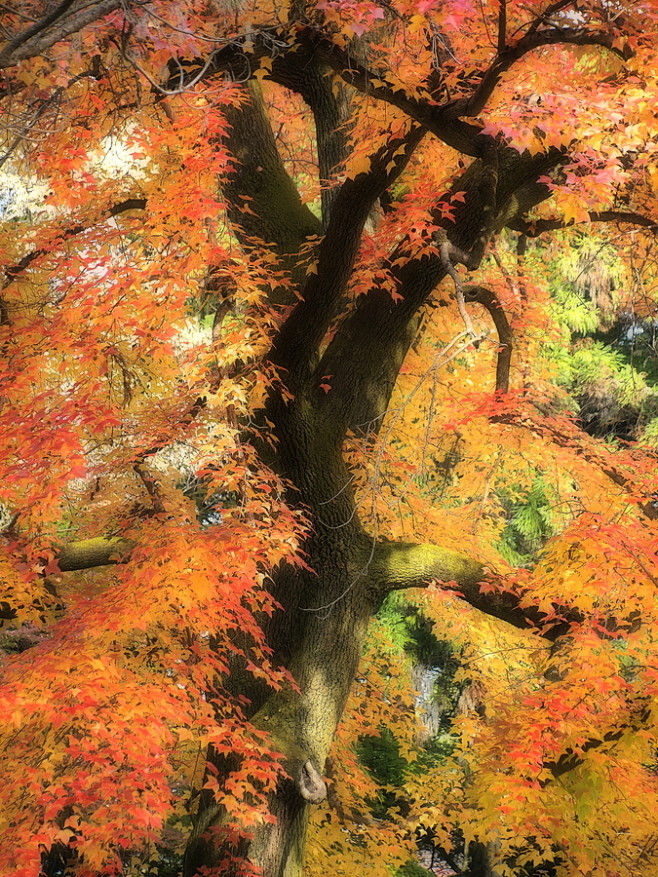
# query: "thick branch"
x,y
59,24
399,565
240,59
305,329
459,135
444,121
329,101
241,56
370,345
88,553
264,201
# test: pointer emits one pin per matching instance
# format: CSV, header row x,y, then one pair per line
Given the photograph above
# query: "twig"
x,y
447,252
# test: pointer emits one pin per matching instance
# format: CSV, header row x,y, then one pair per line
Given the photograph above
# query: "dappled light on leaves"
x,y
329,405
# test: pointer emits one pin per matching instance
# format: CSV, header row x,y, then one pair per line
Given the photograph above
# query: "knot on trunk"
x,y
311,786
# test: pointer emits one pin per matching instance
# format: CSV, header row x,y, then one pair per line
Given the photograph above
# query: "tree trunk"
x,y
319,638
319,633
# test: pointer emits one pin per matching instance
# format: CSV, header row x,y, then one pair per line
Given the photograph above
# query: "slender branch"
x,y
571,759
566,434
489,300
163,441
52,99
548,12
13,271
502,25
152,487
555,36
534,228
448,252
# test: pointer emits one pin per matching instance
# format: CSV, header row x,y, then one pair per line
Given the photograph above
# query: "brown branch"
x,y
13,271
461,136
475,104
502,25
489,300
276,43
533,228
36,28
43,105
304,330
566,435
152,486
444,121
162,441
447,253
571,759
62,22
370,344
264,202
543,17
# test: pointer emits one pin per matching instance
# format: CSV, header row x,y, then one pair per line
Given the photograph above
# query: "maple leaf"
x,y
214,579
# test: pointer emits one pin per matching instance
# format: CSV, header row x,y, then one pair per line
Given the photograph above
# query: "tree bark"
x,y
319,632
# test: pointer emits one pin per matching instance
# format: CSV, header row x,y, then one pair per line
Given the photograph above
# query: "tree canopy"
x,y
329,403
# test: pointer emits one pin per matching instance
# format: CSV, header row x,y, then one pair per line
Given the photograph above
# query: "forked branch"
x,y
304,330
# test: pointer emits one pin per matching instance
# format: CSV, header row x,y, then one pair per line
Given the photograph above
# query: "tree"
x,y
201,524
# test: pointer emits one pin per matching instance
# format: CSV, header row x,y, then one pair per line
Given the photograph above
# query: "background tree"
x,y
248,395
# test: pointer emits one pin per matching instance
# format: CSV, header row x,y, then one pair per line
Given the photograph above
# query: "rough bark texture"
x,y
325,609
320,630
319,634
